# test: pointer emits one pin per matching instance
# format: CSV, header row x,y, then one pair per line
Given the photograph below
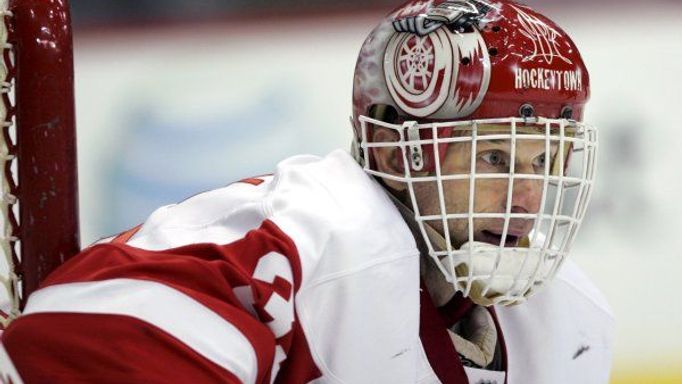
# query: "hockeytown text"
x,y
543,78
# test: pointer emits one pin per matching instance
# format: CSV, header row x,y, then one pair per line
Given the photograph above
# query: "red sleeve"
x,y
202,313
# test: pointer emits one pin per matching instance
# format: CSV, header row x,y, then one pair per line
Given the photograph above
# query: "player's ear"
x,y
387,158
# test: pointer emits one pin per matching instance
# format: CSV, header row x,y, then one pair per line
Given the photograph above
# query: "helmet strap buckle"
x,y
415,153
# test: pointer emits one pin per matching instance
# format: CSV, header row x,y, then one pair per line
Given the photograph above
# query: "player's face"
x,y
490,195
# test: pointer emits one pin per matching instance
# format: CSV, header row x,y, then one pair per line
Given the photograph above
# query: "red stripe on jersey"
x,y
300,367
209,274
209,261
123,237
439,349
80,348
252,181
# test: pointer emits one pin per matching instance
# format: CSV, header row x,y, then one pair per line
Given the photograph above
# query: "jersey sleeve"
x,y
200,313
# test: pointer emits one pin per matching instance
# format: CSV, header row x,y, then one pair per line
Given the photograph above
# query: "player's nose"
x,y
527,196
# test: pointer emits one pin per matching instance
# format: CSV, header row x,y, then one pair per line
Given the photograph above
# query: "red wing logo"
x,y
415,64
442,73
418,71
437,63
544,38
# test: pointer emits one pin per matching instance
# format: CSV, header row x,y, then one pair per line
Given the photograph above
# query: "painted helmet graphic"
x,y
468,73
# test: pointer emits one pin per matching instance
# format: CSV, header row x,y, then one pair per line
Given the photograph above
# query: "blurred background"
x,y
175,97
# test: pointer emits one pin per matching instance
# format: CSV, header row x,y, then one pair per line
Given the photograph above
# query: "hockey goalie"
x,y
434,252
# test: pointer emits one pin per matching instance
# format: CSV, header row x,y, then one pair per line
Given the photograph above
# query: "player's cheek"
x,y
456,196
490,195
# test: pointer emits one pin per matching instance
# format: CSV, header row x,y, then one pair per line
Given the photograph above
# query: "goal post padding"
x,y
41,191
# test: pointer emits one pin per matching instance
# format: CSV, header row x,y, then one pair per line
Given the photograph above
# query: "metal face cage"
x,y
498,201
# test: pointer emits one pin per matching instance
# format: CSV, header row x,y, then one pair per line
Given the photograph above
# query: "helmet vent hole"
x,y
383,112
461,27
466,61
526,111
492,51
567,112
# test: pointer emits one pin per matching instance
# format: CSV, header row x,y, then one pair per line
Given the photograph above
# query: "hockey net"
x,y
39,201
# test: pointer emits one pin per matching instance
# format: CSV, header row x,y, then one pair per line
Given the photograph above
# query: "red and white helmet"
x,y
437,72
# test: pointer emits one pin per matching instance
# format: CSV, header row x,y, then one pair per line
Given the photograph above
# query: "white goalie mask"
x,y
472,110
501,217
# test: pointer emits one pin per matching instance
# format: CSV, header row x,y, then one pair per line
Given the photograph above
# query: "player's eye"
x,y
539,162
494,160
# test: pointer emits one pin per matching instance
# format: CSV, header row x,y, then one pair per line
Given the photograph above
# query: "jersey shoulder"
x,y
218,216
334,186
574,279
309,197
339,217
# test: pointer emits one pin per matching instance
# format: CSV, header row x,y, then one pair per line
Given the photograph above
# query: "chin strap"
x,y
476,338
440,290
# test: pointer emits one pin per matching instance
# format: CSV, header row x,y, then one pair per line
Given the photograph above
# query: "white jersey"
x,y
564,334
307,275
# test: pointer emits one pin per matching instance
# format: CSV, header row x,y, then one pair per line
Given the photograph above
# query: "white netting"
x,y
9,295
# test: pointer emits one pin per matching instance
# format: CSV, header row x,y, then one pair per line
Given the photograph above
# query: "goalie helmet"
x,y
466,73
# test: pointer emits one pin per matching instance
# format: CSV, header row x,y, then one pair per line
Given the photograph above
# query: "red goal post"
x,y
39,201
